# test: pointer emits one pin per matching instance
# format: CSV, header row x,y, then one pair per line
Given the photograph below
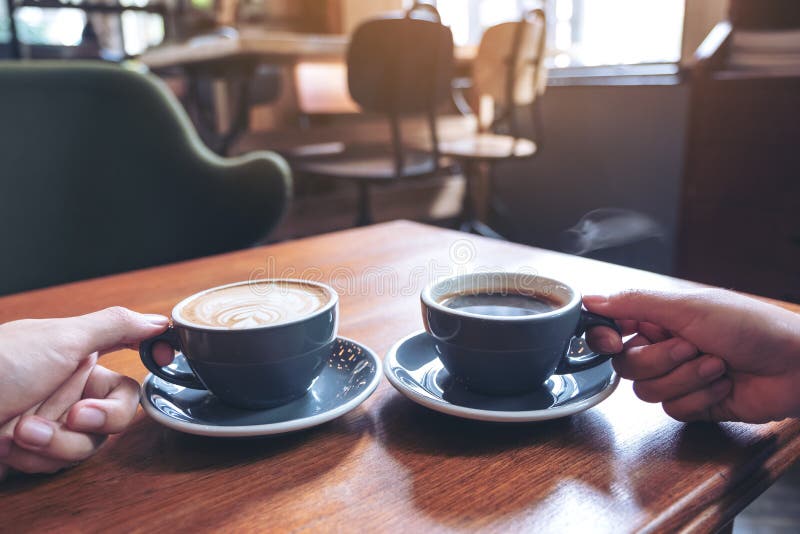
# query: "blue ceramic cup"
x,y
506,333
253,344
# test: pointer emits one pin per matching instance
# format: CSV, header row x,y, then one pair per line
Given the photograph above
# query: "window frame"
x,y
476,30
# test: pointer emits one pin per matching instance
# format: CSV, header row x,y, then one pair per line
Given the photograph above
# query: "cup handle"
x,y
180,378
571,364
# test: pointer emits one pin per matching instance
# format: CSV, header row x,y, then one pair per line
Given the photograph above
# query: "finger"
x,y
604,340
649,361
691,376
31,463
636,341
163,353
653,332
58,404
628,326
671,311
699,405
54,441
109,405
115,328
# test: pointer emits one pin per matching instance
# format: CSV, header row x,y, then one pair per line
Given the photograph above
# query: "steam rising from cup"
x,y
609,228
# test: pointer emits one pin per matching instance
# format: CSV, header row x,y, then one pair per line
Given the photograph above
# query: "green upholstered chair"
x,y
102,172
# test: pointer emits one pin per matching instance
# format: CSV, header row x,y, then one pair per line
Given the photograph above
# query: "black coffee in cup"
x,y
503,304
507,333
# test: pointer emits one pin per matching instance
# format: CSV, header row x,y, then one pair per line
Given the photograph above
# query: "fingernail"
x,y
682,351
595,300
35,433
89,417
156,320
711,368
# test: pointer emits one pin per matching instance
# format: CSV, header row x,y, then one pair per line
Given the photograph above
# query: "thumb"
x,y
116,328
671,311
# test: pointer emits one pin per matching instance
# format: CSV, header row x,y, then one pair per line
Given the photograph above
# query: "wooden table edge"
x,y
716,506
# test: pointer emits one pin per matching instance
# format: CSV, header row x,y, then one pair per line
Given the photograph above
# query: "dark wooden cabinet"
x,y
769,14
740,213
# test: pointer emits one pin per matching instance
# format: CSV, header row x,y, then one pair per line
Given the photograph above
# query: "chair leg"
x,y
364,216
241,116
538,127
470,223
204,122
467,207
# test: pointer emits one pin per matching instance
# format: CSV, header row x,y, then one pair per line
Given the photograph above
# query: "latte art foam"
x,y
253,305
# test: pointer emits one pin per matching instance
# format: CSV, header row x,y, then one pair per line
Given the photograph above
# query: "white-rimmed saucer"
x,y
414,369
351,375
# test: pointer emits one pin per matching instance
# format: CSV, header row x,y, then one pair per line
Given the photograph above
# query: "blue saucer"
x,y
352,374
414,369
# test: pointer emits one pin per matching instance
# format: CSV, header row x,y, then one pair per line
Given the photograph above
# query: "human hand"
x,y
57,405
707,354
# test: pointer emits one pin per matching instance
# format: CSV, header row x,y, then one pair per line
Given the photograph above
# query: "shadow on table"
x,y
152,447
196,480
445,455
725,462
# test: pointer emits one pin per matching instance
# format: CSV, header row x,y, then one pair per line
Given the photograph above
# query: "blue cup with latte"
x,y
254,344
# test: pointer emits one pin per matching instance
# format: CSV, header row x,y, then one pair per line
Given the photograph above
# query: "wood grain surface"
x,y
391,465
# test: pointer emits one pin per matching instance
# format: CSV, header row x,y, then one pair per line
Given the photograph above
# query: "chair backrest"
x,y
509,65
101,172
402,64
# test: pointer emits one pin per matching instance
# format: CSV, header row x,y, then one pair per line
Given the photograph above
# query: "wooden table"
x,y
227,59
391,465
271,47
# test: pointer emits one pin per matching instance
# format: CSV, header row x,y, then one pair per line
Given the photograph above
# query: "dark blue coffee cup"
x,y
507,355
256,367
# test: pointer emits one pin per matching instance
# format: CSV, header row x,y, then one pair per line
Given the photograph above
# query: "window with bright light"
x,y
581,32
65,26
141,30
61,26
5,30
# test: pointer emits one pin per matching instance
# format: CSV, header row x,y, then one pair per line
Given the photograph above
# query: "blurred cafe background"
x,y
658,134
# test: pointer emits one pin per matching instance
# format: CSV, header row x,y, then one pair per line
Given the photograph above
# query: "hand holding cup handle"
x,y
246,359
499,353
180,378
573,364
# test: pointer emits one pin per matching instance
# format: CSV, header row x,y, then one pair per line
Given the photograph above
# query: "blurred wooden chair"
x,y
245,83
103,173
397,65
508,76
321,94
